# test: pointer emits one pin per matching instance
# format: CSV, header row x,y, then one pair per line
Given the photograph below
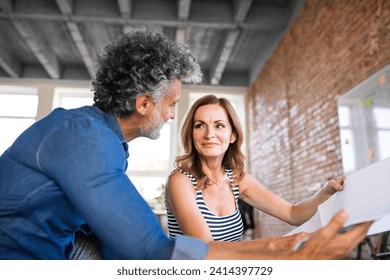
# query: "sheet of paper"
x,y
380,225
366,197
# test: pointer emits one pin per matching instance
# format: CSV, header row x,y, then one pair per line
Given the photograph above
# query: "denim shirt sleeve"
x,y
187,248
87,161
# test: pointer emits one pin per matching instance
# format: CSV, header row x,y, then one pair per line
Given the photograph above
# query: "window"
x,y
347,139
364,119
382,122
70,98
18,110
150,161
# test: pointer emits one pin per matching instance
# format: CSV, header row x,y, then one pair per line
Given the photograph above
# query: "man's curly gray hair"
x,y
137,63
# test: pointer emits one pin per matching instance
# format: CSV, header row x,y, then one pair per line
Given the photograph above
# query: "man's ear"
x,y
233,138
142,103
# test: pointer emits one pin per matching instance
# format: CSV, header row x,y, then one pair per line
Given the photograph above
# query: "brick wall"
x,y
332,46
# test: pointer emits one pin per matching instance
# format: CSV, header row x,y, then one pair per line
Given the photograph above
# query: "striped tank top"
x,y
222,228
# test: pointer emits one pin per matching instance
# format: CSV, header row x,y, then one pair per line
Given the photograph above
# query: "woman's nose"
x,y
209,133
173,114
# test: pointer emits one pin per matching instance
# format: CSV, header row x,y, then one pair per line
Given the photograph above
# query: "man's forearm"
x,y
264,248
256,249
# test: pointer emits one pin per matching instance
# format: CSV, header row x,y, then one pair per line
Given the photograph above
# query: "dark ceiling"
x,y
60,39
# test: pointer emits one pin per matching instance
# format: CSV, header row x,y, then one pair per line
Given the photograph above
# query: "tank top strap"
x,y
235,187
189,175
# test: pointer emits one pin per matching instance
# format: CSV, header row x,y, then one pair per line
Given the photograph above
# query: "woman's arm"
x,y
255,194
180,197
304,210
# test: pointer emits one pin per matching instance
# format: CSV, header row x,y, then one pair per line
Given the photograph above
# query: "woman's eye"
x,y
220,126
199,125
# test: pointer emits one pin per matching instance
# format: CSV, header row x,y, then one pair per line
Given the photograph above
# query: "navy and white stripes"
x,y
222,228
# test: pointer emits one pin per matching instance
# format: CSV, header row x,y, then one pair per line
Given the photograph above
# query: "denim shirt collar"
x,y
113,124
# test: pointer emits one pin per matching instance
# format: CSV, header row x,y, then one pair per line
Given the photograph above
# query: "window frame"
x,y
18,90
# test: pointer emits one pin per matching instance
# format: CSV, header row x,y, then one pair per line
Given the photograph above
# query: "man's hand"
x,y
327,243
287,243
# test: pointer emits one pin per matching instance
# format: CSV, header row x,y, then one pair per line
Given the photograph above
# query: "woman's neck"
x,y
214,170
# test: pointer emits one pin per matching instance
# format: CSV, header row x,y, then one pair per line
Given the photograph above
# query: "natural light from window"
x,y
149,160
382,120
70,98
347,140
18,109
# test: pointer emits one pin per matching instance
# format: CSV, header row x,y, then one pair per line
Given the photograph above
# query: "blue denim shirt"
x,y
68,170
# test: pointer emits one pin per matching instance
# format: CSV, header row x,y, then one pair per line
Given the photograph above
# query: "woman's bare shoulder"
x,y
177,179
178,186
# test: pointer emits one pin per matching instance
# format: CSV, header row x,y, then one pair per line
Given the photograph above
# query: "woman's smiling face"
x,y
212,132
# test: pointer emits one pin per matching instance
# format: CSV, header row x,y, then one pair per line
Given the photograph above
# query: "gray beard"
x,y
151,134
150,130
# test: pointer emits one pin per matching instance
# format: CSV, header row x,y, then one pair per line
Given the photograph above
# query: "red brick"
x,y
332,46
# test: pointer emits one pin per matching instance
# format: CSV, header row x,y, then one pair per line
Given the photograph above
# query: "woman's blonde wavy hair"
x,y
233,159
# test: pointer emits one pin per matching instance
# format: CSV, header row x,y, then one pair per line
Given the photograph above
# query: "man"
x,y
67,172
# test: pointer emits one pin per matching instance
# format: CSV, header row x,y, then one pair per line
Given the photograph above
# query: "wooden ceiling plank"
x,y
183,15
6,6
10,64
218,25
223,54
42,52
82,47
125,10
66,8
240,12
184,9
241,9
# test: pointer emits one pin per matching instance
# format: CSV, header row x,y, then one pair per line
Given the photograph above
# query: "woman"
x,y
202,192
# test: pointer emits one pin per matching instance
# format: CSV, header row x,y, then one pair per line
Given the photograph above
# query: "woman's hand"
x,y
334,185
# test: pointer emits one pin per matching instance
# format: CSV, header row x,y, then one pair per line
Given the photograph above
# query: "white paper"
x,y
366,197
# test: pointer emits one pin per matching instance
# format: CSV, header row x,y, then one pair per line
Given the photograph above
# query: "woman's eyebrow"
x,y
214,121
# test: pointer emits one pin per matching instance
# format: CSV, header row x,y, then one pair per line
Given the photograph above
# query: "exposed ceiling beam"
x,y
82,47
125,7
66,8
6,6
183,13
223,54
10,64
42,52
277,24
184,9
125,10
240,11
